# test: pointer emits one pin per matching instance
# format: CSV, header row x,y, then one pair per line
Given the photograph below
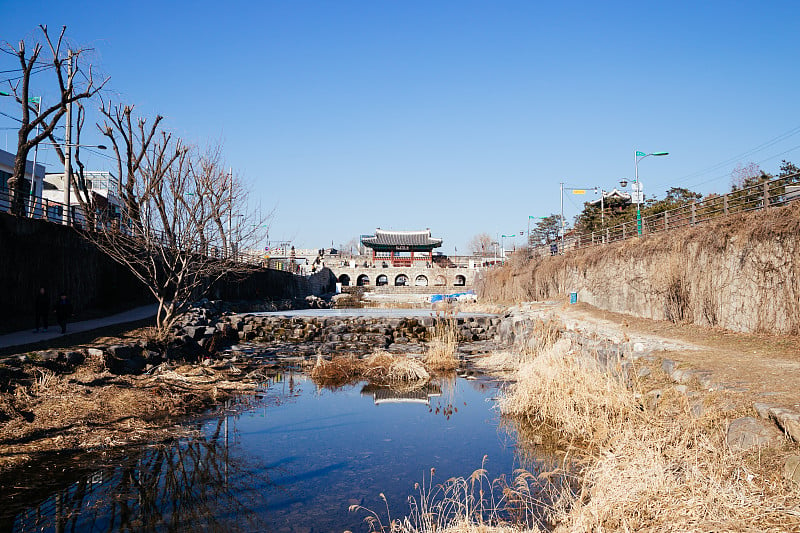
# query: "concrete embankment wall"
x,y
36,253
741,273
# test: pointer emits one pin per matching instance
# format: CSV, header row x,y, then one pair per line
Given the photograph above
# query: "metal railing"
x,y
767,194
52,211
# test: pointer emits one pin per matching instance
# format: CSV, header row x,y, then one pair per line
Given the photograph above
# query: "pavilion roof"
x,y
613,195
385,239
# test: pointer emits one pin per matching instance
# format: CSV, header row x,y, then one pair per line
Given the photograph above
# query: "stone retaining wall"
x,y
36,253
354,334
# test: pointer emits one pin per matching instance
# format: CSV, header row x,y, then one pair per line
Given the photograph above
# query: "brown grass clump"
x,y
572,393
441,354
503,363
648,467
380,368
384,368
338,371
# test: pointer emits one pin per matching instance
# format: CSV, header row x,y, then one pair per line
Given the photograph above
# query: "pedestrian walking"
x,y
41,309
63,311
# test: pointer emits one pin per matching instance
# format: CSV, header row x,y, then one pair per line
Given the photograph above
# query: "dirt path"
x,y
767,366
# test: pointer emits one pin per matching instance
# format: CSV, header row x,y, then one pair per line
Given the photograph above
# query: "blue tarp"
x,y
450,297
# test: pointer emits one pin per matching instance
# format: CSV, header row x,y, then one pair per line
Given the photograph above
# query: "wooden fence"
x,y
772,193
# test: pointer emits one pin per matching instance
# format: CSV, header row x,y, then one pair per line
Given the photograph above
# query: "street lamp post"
x,y
637,186
503,244
574,190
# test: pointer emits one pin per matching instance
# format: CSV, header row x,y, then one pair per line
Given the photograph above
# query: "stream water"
x,y
292,459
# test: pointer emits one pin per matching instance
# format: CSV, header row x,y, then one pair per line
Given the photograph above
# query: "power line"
x,y
11,117
35,70
727,175
761,147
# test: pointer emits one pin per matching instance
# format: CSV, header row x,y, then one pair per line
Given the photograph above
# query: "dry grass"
x,y
89,410
573,393
384,368
648,468
473,504
380,368
504,363
338,371
441,354
482,307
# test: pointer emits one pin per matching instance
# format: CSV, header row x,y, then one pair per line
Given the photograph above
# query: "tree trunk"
x,y
18,186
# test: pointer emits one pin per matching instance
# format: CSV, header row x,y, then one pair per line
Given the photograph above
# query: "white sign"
x,y
637,192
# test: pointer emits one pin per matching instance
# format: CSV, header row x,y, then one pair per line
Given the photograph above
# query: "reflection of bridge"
x,y
397,395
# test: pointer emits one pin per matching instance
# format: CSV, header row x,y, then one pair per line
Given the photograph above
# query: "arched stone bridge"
x,y
417,278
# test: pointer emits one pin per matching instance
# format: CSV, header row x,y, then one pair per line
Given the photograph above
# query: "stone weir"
x,y
308,335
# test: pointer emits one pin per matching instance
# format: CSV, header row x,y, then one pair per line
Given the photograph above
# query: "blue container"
x,y
573,297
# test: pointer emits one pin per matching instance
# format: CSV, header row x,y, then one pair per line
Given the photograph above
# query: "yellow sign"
x,y
579,191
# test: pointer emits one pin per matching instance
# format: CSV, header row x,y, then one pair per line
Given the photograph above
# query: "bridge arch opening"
x,y
401,280
382,280
362,280
344,279
440,281
460,281
421,281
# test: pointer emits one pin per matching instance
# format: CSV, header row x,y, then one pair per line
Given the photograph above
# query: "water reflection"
x,y
191,483
405,393
292,458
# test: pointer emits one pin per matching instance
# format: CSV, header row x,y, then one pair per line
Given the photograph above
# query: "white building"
x,y
102,185
7,170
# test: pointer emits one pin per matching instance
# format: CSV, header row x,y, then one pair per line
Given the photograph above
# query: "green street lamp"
x,y
503,243
637,187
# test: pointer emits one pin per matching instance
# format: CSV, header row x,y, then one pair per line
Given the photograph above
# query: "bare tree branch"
x,y
171,233
46,119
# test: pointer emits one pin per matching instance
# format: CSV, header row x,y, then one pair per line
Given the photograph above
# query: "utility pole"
x,y
67,141
602,209
35,184
562,217
230,212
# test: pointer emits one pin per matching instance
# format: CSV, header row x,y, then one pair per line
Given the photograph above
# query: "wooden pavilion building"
x,y
401,248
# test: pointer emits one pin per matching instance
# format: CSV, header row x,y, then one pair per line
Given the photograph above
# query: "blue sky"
x,y
463,117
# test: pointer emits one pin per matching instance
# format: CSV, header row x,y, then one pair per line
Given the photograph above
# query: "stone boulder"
x,y
125,359
748,432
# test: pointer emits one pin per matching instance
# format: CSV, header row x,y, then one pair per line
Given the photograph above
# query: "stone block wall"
x,y
354,334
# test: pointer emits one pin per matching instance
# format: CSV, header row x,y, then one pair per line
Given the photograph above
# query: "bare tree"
x,y
745,175
33,116
352,247
182,217
480,244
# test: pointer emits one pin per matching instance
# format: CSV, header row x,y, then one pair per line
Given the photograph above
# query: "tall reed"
x,y
443,344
